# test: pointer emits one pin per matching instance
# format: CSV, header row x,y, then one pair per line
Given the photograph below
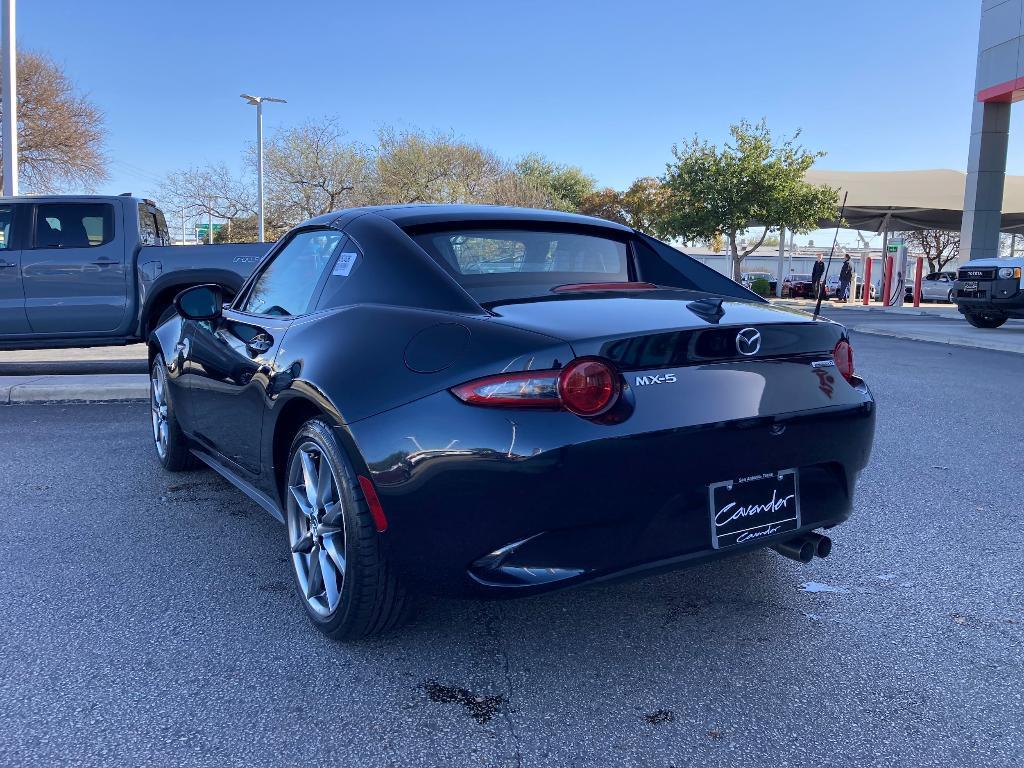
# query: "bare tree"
x,y
208,192
511,188
311,170
417,167
60,133
938,246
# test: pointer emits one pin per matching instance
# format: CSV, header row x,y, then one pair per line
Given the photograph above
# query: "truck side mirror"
x,y
200,302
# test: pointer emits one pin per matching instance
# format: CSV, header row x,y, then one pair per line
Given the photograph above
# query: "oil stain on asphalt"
x,y
480,708
660,716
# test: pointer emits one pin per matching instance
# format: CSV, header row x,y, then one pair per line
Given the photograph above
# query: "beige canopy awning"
x,y
897,201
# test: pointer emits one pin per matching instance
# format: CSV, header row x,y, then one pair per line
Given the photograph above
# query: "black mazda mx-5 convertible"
x,y
498,401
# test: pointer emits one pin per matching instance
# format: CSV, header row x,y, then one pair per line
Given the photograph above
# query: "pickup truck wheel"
x,y
342,575
985,320
171,445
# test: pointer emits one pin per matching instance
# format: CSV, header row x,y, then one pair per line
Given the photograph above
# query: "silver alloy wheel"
x,y
158,407
316,527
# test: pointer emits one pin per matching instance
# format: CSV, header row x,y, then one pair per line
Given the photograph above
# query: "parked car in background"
x,y
938,286
832,285
500,402
87,271
799,286
747,280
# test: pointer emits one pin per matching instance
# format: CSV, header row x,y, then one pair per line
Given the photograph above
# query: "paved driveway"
x,y
148,619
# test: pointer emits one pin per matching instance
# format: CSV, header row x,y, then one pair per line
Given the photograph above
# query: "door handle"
x,y
7,264
106,262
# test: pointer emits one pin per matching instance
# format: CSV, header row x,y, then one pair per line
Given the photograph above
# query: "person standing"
x,y
816,274
845,278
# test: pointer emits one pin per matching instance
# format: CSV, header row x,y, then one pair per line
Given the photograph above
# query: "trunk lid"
x,y
668,328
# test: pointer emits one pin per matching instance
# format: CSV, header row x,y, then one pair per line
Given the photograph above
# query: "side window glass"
x,y
338,290
6,218
163,236
286,285
147,226
74,225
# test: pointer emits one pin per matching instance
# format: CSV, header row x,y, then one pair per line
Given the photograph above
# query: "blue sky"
x,y
608,86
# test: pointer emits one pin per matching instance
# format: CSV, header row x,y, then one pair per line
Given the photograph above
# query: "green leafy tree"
x,y
644,204
753,180
604,204
566,186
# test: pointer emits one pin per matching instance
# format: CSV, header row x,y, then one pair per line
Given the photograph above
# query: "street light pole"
x,y
10,96
258,102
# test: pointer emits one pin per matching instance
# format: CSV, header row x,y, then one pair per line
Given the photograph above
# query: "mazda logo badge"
x,y
748,341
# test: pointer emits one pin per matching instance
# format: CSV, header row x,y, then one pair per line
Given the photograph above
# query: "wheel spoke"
x,y
334,544
332,514
304,544
315,579
309,477
332,580
298,493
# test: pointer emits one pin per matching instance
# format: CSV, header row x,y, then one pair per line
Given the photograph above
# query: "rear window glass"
x,y
492,261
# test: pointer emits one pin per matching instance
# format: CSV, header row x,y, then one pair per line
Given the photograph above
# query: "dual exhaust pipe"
x,y
805,547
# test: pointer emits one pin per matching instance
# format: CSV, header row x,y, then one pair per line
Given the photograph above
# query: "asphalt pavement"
x,y
149,619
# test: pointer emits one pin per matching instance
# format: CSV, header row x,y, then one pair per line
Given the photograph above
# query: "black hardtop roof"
x,y
417,214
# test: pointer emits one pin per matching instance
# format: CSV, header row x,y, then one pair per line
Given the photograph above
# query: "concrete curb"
x,y
73,389
993,345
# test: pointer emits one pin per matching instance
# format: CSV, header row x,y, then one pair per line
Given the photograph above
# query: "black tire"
x,y
985,320
949,298
172,449
367,596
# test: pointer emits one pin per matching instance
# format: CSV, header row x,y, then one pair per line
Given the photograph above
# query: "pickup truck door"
x,y
12,294
76,273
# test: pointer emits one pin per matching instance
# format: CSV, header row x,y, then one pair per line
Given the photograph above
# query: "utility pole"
x,y
782,262
10,105
257,101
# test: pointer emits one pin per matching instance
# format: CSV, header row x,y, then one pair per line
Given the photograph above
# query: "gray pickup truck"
x,y
86,271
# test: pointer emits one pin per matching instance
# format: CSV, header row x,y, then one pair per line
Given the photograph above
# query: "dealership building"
x,y
999,83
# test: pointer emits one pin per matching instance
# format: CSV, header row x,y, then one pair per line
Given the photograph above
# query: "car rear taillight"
x,y
843,355
586,387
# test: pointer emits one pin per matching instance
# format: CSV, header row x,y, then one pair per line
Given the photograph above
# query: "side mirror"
x,y
200,302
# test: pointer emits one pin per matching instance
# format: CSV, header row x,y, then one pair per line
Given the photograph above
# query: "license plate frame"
x,y
776,495
969,285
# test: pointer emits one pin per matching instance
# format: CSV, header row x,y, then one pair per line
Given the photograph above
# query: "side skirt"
x,y
245,487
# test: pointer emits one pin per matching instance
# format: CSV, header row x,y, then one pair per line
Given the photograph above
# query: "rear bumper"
x,y
488,502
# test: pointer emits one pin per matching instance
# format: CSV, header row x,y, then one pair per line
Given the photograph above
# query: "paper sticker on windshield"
x,y
344,264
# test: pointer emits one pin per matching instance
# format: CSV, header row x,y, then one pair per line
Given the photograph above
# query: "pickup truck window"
x,y
286,285
74,225
6,216
152,226
148,234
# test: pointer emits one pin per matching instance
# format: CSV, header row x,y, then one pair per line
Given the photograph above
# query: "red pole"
x,y
867,281
917,281
886,279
